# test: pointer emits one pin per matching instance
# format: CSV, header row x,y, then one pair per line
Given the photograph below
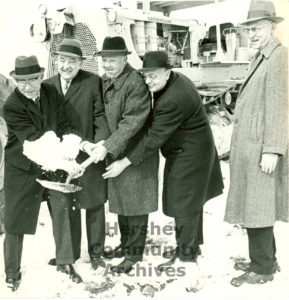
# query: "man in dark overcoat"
x,y
134,194
83,104
31,110
180,128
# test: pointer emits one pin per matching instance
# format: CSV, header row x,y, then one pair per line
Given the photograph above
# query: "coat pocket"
x,y
255,128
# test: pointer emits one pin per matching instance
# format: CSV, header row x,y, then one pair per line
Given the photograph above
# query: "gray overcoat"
x,y
257,199
127,107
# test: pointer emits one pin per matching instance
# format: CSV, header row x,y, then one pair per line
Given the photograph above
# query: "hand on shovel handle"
x,y
84,165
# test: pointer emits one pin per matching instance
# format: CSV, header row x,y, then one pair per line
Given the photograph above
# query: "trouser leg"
x,y
189,234
135,232
123,228
95,228
262,249
13,244
63,215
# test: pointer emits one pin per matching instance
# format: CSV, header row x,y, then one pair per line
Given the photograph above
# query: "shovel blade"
x,y
59,186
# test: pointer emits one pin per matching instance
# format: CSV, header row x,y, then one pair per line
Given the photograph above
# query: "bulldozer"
x,y
216,60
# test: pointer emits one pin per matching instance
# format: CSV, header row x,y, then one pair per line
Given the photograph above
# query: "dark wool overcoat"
x,y
180,128
257,199
23,194
127,106
84,108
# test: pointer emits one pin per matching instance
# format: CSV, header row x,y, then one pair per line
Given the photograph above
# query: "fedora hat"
x,y
113,46
26,67
262,10
70,47
155,60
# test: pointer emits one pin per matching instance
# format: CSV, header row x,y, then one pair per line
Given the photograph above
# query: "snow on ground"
x,y
208,279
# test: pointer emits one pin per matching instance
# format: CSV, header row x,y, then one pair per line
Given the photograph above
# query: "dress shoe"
x,y
170,253
13,283
124,267
251,278
117,252
52,262
96,262
244,266
68,269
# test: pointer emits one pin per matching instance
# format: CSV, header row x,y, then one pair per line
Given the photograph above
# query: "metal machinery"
x,y
217,62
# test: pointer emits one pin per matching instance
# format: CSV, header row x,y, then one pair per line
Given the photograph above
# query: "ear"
x,y
168,73
125,59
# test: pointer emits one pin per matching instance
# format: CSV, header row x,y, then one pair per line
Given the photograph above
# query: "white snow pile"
x,y
51,153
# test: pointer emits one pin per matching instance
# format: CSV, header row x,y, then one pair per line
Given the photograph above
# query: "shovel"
x,y
67,187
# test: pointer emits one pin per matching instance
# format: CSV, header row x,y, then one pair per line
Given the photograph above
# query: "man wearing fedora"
x,y
83,104
134,194
180,128
258,194
32,109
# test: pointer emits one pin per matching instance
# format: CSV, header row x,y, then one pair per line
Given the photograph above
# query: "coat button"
x,y
106,100
236,121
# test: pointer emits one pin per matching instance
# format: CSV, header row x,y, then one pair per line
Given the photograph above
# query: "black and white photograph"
x,y
144,149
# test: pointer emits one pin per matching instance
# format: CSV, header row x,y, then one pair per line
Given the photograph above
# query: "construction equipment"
x,y
217,64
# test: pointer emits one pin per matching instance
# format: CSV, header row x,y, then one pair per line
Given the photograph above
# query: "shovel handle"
x,y
84,165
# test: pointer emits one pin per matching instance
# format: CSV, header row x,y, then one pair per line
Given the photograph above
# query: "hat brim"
x,y
273,19
113,52
154,69
27,76
68,54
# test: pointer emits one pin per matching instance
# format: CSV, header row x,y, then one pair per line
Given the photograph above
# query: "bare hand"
x,y
268,162
116,168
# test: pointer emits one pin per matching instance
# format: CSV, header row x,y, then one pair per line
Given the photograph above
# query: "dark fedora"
x,y
155,60
26,67
113,46
262,10
70,47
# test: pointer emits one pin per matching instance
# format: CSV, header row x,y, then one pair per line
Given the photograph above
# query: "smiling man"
x,y
258,194
84,108
133,194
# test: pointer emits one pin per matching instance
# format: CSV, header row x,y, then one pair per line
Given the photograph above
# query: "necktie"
x,y
152,100
37,102
66,87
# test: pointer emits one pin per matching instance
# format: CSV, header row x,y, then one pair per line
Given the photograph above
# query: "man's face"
x,y
30,87
259,33
68,66
156,79
113,65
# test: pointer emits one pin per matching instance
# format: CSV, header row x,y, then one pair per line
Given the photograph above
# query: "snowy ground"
x,y
208,279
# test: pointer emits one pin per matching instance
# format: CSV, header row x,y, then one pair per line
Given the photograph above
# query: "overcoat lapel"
x,y
74,86
254,66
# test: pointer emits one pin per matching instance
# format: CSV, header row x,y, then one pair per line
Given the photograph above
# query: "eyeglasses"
x,y
32,81
254,29
70,61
